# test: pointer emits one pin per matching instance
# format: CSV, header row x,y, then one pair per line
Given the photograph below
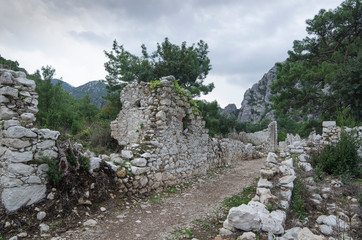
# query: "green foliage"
x,y
188,64
345,119
239,199
324,70
298,198
340,159
13,65
57,109
286,124
53,174
84,163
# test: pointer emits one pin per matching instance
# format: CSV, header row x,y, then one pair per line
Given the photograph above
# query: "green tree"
x,y
323,71
189,64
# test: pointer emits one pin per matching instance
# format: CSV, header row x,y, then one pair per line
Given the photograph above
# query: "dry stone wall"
x,y
164,137
267,137
22,176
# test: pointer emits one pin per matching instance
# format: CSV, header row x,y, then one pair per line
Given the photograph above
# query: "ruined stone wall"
x,y
166,137
22,177
267,137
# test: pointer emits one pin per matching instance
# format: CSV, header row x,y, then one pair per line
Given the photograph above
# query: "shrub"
x,y
298,196
54,177
339,159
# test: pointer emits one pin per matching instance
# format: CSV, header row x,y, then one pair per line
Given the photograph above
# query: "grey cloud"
x,y
90,37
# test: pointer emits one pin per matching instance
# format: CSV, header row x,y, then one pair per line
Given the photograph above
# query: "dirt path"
x,y
155,220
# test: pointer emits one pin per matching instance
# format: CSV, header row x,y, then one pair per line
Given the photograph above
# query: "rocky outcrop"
x,y
22,173
230,111
256,104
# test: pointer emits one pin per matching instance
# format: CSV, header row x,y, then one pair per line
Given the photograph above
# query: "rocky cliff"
x,y
256,104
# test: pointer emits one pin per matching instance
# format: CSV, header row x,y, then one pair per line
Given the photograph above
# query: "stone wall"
x,y
267,137
165,138
22,177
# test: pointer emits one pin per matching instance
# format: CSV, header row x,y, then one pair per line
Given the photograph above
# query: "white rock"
x,y
261,191
326,230
49,134
14,198
273,222
245,218
247,236
139,162
26,82
286,194
51,196
272,158
6,78
6,114
19,132
10,182
306,234
307,166
46,153
9,91
46,144
264,183
94,163
138,170
288,162
328,124
18,157
20,169
28,117
127,154
41,215
291,234
286,179
103,209
90,223
15,143
11,123
44,228
14,238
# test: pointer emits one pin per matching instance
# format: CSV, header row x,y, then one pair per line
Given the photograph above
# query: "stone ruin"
x,y
22,173
267,137
163,137
159,123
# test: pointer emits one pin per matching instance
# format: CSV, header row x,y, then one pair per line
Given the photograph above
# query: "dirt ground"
x,y
157,218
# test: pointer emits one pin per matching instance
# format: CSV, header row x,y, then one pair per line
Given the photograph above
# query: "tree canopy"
x,y
189,64
323,72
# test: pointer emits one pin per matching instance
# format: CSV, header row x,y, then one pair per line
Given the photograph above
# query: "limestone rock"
x,y
247,236
14,198
18,157
41,215
139,162
306,234
19,132
127,154
6,114
245,218
44,228
90,223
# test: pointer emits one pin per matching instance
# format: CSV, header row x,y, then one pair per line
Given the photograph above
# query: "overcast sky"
x,y
245,37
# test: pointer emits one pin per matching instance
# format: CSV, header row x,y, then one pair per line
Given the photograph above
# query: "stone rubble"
x,y
280,174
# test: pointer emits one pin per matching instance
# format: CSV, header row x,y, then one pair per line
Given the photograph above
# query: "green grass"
x,y
243,198
298,202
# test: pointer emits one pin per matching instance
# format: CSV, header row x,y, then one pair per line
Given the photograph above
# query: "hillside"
x,y
95,89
